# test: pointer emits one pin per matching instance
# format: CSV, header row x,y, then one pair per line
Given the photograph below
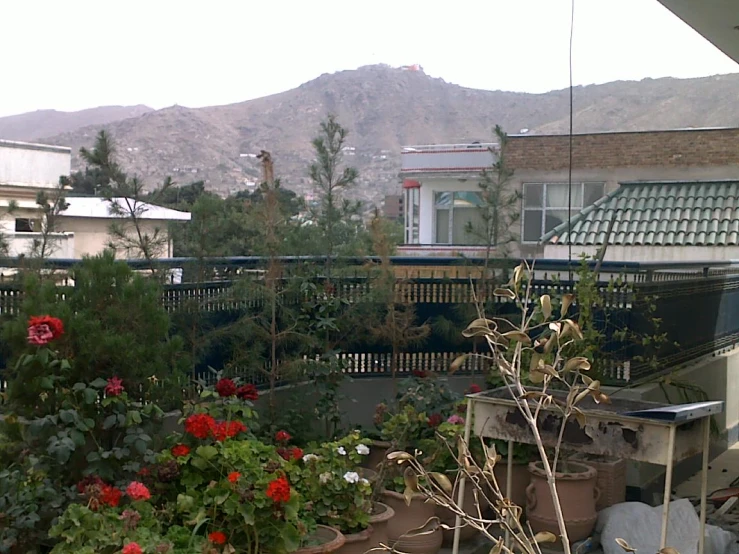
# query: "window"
x,y
412,207
545,205
455,215
26,225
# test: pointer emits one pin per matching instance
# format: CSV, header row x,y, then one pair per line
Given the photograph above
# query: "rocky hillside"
x,y
385,108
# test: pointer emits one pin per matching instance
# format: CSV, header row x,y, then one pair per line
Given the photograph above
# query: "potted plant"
x,y
520,477
329,481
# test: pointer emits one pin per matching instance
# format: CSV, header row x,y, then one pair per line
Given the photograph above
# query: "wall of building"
x,y
59,245
92,234
33,164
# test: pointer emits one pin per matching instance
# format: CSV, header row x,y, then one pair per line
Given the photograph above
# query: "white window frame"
x,y
412,215
544,208
451,218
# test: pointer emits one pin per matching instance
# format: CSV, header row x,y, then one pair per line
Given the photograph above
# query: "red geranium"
x,y
434,420
227,430
282,436
279,490
474,388
138,491
420,373
42,329
233,477
200,426
132,548
217,537
180,450
296,453
111,496
247,392
114,387
226,388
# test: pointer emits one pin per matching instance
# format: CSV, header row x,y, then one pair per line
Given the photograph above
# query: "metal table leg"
x,y
704,482
668,486
462,480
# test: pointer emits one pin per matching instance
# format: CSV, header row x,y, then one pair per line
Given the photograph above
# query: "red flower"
x,y
132,548
114,387
200,426
144,472
247,392
42,329
474,389
296,453
282,436
233,477
217,537
180,450
434,420
138,491
226,388
279,490
110,496
227,430
420,374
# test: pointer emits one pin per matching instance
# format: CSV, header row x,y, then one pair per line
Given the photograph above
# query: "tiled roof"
x,y
684,213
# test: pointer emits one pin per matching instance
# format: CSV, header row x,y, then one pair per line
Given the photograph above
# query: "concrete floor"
x,y
722,471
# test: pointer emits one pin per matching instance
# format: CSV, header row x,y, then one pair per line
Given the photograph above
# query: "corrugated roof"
x,y
678,213
95,206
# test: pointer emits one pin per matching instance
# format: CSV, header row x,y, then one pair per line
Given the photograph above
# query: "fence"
x,y
693,307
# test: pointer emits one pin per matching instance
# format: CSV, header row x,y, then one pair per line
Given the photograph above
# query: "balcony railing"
x,y
447,158
694,305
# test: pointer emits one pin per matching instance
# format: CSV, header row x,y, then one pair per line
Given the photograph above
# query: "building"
x,y
442,194
82,228
393,207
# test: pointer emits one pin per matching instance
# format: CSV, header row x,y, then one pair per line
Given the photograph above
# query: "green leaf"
x,y
140,446
99,383
67,416
77,437
110,421
78,387
91,396
185,503
93,457
200,463
207,452
47,383
64,365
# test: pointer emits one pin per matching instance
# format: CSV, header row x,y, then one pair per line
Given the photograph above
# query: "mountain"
x,y
44,123
384,108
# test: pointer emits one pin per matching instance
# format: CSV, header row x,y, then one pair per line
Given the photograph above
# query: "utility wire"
x,y
569,178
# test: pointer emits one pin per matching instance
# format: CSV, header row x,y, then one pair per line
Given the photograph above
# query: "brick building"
x,y
443,195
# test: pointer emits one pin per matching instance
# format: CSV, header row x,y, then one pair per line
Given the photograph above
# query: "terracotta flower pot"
x,y
381,514
378,451
322,541
408,518
469,506
577,493
519,481
357,543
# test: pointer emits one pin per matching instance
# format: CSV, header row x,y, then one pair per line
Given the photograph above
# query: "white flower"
x,y
362,449
341,450
309,457
351,477
364,481
324,477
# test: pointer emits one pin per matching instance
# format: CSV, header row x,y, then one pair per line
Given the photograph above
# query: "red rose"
x,y
138,491
279,490
282,436
233,477
217,537
180,450
114,387
474,389
226,388
200,426
42,329
247,392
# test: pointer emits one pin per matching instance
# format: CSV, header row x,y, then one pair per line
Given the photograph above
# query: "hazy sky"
x,y
76,54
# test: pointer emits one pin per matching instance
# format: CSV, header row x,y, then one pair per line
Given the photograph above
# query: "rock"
x,y
640,526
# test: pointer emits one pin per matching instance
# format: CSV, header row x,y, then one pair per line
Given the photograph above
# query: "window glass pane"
x,y
553,218
442,226
593,192
532,225
443,199
416,215
467,199
532,195
468,226
557,195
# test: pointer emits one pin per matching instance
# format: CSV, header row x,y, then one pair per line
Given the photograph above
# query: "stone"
x,y
640,525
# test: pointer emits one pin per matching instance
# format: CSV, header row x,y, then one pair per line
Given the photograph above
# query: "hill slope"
x,y
384,108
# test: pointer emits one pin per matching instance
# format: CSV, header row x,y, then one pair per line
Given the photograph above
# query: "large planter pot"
x,y
357,543
322,541
381,515
520,479
378,451
577,493
407,518
469,506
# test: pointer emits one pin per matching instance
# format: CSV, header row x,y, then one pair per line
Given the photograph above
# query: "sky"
x,y
76,54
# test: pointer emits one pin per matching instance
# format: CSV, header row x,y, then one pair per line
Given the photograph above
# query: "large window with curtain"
x,y
545,205
458,218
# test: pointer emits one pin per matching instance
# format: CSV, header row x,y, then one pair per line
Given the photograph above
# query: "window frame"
x,y
412,215
543,208
450,209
